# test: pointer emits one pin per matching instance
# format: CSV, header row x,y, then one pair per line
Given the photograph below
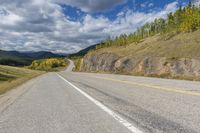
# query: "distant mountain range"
x,y
15,58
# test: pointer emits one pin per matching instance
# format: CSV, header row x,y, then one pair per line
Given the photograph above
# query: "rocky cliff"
x,y
184,68
175,57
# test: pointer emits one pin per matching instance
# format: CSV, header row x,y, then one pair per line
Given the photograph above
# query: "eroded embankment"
x,y
183,68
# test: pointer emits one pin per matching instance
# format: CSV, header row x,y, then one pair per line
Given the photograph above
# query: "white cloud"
x,y
92,5
8,17
41,25
197,2
129,21
150,5
146,4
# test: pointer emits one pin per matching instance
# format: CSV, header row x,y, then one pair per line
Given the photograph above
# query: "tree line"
x,y
48,64
185,19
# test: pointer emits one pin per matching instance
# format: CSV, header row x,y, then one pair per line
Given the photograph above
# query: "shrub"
x,y
48,64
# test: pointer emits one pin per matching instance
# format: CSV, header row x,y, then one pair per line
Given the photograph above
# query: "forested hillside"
x,y
185,19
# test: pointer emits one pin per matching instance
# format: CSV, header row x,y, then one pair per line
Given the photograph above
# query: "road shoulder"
x,y
11,96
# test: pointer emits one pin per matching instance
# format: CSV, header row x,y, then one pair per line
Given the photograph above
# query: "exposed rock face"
x,y
149,66
99,62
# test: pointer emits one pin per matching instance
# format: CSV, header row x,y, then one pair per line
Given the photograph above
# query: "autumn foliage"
x,y
185,19
48,64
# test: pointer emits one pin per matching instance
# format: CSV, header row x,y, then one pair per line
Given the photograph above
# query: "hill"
x,y
10,77
167,48
41,55
176,57
84,51
15,58
185,19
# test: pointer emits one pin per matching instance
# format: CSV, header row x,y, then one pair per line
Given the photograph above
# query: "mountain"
x,y
84,51
11,54
15,58
41,54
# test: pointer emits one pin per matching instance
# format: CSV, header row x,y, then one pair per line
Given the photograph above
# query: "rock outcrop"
x,y
184,68
99,62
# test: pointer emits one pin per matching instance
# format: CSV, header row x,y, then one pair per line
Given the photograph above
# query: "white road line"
x,y
104,108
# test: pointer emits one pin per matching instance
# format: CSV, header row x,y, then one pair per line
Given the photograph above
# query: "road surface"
x,y
69,102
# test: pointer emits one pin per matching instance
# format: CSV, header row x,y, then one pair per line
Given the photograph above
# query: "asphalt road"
x,y
69,102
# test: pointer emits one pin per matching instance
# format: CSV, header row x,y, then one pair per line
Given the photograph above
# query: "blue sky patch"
x,y
145,6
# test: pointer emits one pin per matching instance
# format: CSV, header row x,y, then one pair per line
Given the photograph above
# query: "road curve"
x,y
101,103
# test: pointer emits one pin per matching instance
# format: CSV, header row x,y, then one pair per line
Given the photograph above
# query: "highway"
x,y
74,102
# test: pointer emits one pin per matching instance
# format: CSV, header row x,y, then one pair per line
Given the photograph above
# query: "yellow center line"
x,y
153,86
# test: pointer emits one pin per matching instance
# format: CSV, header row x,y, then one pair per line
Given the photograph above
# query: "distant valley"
x,y
15,58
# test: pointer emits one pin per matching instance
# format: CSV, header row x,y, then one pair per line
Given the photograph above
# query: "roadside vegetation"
x,y
77,62
183,45
52,64
185,19
11,77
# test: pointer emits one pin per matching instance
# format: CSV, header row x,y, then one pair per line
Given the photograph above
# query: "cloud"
x,y
150,5
37,25
92,5
128,21
8,17
197,2
146,4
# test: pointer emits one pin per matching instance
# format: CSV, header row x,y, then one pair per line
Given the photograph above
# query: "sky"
x,y
67,26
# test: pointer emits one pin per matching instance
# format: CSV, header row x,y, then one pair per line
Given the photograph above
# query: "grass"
x,y
11,77
77,63
171,46
184,45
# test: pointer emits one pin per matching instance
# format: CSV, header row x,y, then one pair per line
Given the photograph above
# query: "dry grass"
x,y
11,77
185,45
173,47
